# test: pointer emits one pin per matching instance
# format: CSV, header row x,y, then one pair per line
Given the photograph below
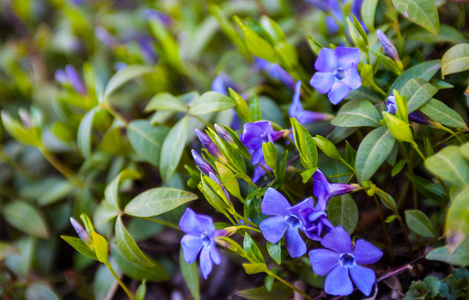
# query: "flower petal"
x,y
274,203
321,186
312,116
338,92
323,260
363,278
189,223
347,56
191,246
338,282
206,264
366,253
352,78
214,253
295,244
296,109
273,228
327,60
322,81
338,240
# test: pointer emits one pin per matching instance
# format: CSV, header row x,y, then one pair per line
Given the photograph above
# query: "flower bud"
x,y
388,46
224,134
104,36
202,163
209,144
75,79
81,232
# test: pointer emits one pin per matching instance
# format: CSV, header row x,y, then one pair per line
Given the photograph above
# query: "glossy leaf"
x,y
418,91
440,112
343,211
253,252
457,220
84,135
449,164
357,113
124,75
26,218
305,144
275,251
460,256
254,268
100,247
190,275
419,223
172,149
165,102
210,102
147,140
112,190
278,291
421,12
80,246
128,247
455,60
256,45
368,11
37,291
425,70
19,132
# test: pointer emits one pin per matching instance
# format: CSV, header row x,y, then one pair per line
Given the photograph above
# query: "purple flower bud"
x,y
416,116
120,66
209,144
75,80
146,45
104,36
275,72
158,15
202,163
224,134
215,178
222,82
60,76
81,232
324,190
388,46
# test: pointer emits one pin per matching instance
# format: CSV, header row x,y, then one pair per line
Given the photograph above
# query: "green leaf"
x,y
169,45
253,252
147,139
80,246
37,291
100,247
457,220
399,129
357,113
465,150
190,275
227,178
398,167
281,167
449,164
26,218
84,134
19,132
327,147
278,291
372,152
165,102
255,113
104,213
112,190
343,211
254,268
275,251
124,75
460,256
425,70
305,144
156,201
447,34
172,149
306,175
141,291
418,92
256,45
155,273
57,192
210,102
368,12
270,154
419,223
421,12
440,112
455,60
212,198
128,246
390,218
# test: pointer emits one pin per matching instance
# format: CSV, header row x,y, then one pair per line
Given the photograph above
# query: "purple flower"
x,y
200,235
224,134
150,14
202,163
275,71
257,133
222,82
415,116
337,72
340,263
285,218
81,232
104,36
146,46
304,116
313,217
209,144
71,76
324,190
388,46
60,76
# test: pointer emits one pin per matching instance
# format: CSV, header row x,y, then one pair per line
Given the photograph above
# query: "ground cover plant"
x,y
241,149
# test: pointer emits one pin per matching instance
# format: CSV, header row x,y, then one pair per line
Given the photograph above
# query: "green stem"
x,y
406,236
115,113
246,221
160,222
288,284
383,224
416,147
203,121
452,133
126,290
247,227
65,171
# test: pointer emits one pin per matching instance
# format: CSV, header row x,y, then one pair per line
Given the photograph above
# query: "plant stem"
x,y
115,113
246,221
160,222
383,224
288,284
406,236
65,171
203,121
247,227
416,147
452,133
126,290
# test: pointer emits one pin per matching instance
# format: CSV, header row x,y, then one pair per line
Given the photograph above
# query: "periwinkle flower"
x,y
146,46
388,47
202,163
104,36
340,262
255,134
304,116
275,72
71,76
211,147
81,232
415,116
150,14
200,237
224,134
313,217
285,218
222,83
337,72
324,190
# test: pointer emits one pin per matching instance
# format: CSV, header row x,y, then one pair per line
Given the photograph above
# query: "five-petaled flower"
x,y
284,218
255,134
337,72
415,116
340,262
200,235
304,116
324,190
313,217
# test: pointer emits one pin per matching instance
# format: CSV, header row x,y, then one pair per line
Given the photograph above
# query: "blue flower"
x,y
71,76
222,82
285,218
415,116
324,190
275,71
255,134
304,116
388,46
313,217
200,237
337,72
341,262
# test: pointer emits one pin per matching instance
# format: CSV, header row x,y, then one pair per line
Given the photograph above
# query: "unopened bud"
x,y
388,46
81,232
224,134
209,144
75,79
202,163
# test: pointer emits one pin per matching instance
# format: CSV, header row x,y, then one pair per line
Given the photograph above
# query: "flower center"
x,y
339,74
293,221
205,240
347,260
264,137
